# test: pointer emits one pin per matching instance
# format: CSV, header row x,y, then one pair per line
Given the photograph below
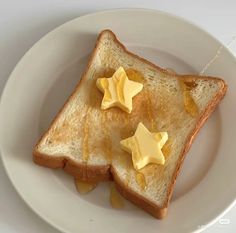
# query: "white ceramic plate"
x,y
46,75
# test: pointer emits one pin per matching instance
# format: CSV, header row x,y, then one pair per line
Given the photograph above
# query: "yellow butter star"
x,y
145,147
118,90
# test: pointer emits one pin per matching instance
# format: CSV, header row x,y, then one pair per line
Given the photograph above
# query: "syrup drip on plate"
x,y
84,187
115,198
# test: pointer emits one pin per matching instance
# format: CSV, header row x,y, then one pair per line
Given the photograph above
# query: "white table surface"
x,y
23,22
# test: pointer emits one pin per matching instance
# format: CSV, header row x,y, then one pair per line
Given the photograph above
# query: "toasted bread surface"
x,y
84,140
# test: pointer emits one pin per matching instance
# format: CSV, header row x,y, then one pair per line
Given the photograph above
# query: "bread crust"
x,y
78,170
106,172
141,202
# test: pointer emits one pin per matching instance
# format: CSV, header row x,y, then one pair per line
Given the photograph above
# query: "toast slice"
x,y
85,140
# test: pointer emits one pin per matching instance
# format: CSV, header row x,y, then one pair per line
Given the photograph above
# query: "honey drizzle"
x,y
107,143
115,198
86,135
141,181
149,111
126,131
189,103
128,166
135,75
166,149
126,161
84,187
108,72
127,176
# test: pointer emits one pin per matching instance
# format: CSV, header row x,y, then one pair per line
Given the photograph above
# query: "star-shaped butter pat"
x,y
145,147
118,90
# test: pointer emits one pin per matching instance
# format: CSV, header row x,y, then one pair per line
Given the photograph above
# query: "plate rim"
x,y
113,10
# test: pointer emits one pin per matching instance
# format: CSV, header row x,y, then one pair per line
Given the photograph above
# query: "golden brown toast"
x,y
85,140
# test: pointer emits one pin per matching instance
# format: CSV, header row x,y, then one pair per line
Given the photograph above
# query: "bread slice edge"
x,y
105,172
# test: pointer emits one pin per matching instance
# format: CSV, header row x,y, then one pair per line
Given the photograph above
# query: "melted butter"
x,y
84,187
135,75
141,181
189,103
116,199
86,136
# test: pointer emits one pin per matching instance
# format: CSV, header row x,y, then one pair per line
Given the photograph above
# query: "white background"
x,y
23,22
